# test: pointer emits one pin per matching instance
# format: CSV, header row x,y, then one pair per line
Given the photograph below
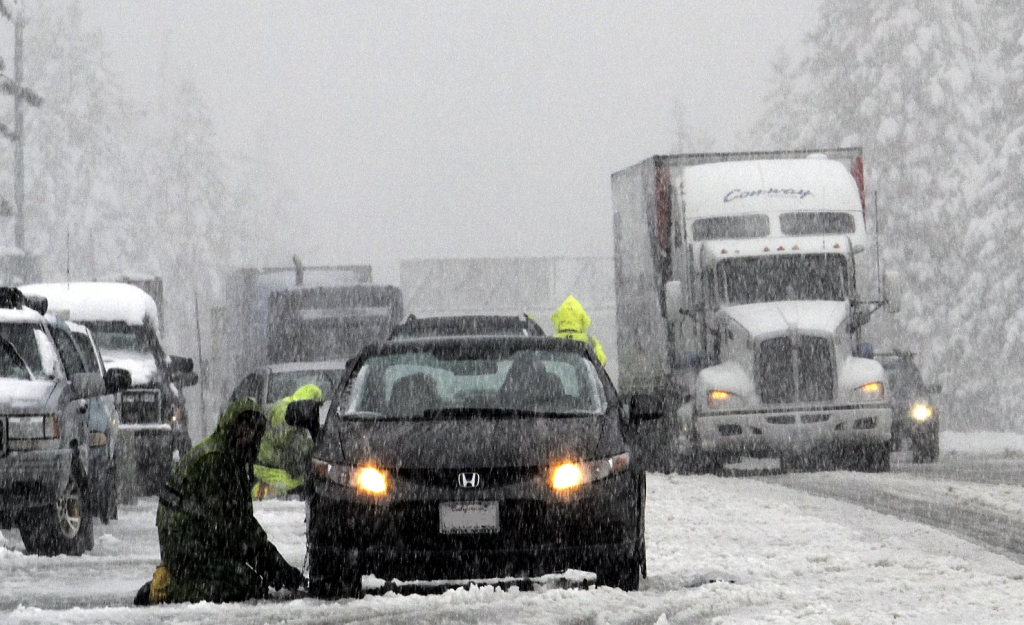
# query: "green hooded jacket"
x,y
210,542
572,322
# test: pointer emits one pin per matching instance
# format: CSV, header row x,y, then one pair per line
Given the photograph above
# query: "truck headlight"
x,y
365,479
569,475
921,412
718,399
872,391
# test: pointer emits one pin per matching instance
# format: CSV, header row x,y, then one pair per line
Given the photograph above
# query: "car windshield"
x,y
474,382
33,348
780,278
904,379
284,383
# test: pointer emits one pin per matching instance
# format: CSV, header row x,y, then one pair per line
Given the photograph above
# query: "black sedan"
x,y
475,458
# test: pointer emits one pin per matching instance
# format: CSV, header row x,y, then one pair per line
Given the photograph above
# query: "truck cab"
x,y
741,303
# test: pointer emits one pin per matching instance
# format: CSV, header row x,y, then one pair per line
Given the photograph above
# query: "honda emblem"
x,y
469,480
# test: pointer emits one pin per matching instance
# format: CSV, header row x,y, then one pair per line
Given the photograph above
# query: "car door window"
x,y
69,355
92,364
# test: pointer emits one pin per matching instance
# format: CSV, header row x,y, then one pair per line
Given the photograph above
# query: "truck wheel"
x,y
64,526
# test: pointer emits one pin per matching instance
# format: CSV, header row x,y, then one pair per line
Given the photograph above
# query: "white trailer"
x,y
740,307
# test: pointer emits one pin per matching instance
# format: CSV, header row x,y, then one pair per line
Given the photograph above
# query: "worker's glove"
x,y
289,577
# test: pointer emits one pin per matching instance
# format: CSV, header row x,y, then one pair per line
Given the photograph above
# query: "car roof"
x,y
505,343
467,325
321,365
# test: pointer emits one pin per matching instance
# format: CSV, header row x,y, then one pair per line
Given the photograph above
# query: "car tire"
x,y
621,572
64,526
331,579
926,449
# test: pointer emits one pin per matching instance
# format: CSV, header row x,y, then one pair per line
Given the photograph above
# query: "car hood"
x,y
473,442
26,396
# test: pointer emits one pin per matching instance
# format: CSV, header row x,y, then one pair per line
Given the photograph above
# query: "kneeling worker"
x,y
211,546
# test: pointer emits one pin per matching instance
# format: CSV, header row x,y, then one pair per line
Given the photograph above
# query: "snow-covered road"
x,y
782,556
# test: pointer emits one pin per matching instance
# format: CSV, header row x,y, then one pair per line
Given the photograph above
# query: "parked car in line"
x,y
45,392
104,419
474,457
269,383
125,326
915,417
466,325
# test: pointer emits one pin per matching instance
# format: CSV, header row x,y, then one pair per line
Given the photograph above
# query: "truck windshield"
x,y
780,278
121,337
499,384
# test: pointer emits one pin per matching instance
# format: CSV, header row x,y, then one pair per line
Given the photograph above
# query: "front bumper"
x,y
792,431
31,479
538,532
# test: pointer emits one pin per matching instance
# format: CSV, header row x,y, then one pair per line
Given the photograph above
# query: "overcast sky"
x,y
436,129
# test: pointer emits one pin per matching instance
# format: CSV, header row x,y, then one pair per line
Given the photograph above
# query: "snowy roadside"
x,y
790,557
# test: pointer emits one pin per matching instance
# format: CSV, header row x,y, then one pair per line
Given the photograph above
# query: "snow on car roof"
x,y
323,365
19,315
98,301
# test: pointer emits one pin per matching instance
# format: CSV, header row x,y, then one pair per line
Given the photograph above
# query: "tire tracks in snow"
x,y
993,529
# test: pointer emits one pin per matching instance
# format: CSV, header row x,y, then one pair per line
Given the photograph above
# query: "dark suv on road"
x,y
915,417
474,458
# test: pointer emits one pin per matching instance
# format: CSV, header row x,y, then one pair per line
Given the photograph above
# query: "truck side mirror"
x,y
181,364
892,291
677,303
304,413
864,350
117,380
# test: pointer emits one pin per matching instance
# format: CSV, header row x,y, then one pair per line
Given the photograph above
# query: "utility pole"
x,y
19,135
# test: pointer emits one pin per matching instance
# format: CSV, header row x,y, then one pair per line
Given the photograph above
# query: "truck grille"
x,y
795,369
141,406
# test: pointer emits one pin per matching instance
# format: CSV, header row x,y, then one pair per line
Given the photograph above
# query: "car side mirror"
x,y
933,389
645,407
864,350
85,385
117,380
304,413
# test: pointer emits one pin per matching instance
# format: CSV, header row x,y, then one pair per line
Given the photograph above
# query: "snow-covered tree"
x,y
925,88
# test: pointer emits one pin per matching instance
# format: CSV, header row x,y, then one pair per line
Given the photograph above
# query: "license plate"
x,y
469,517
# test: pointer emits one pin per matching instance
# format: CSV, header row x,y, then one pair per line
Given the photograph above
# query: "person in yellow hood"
x,y
572,322
284,451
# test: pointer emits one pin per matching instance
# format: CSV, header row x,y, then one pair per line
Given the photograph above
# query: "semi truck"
x,y
741,302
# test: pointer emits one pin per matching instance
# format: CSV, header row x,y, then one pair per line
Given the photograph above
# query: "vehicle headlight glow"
x,y
371,480
365,479
921,412
873,391
570,475
718,399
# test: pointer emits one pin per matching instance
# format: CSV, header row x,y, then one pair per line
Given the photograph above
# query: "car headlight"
x,y
718,399
872,391
921,412
33,427
365,479
569,475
